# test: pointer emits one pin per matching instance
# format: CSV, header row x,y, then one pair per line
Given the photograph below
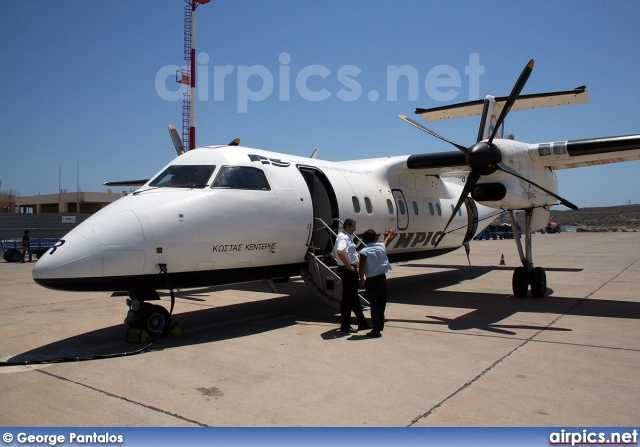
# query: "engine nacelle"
x,y
489,192
501,190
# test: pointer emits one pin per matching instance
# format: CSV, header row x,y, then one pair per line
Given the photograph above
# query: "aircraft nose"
x,y
70,257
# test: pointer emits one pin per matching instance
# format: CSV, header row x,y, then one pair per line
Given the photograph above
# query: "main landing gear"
x,y
527,274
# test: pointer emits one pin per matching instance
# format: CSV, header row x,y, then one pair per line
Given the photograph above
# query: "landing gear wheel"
x,y
155,320
538,282
520,282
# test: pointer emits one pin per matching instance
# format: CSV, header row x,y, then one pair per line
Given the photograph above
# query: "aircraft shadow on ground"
x,y
486,269
295,304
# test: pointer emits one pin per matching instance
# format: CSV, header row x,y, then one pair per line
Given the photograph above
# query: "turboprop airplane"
x,y
226,214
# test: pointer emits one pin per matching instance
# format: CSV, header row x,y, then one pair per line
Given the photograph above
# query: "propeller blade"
x,y
483,119
504,168
177,142
430,132
467,249
517,88
235,142
468,186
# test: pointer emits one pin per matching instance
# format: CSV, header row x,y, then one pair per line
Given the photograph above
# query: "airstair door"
x,y
325,208
320,273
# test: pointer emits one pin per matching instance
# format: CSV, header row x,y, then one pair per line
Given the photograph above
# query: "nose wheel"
x,y
147,321
154,319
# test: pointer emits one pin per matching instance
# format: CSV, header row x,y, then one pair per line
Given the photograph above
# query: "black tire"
x,y
155,320
16,256
520,282
538,282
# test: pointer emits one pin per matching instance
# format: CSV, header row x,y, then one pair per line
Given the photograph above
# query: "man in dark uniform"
x,y
374,265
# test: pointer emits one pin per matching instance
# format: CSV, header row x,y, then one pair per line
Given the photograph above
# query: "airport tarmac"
x,y
458,349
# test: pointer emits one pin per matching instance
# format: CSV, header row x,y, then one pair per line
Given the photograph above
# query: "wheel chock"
x,y
135,335
176,331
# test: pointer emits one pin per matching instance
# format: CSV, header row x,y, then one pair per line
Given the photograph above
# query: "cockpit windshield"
x,y
190,176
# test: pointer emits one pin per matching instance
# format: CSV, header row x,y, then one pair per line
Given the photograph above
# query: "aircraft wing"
x,y
578,95
588,152
556,155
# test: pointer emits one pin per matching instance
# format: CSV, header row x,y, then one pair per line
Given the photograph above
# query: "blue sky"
x,y
84,83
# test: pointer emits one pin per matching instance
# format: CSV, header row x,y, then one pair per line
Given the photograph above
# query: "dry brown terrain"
x,y
611,217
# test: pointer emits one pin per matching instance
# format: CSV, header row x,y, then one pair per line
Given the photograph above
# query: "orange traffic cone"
x,y
502,260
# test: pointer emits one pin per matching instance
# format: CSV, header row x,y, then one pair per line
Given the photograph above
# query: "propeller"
x,y
522,80
485,158
177,142
431,132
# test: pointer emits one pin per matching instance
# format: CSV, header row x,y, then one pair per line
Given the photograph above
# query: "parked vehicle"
x,y
504,231
12,247
553,227
487,233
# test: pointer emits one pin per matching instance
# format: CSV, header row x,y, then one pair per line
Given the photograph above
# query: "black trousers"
x,y
376,294
350,300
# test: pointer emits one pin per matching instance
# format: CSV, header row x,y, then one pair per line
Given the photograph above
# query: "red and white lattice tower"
x,y
188,76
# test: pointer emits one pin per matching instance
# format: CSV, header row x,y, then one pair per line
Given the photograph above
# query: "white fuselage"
x,y
215,231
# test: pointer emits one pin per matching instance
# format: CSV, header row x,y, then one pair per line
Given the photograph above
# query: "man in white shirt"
x,y
347,258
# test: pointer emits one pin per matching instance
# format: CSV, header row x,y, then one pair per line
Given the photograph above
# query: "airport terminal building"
x,y
49,215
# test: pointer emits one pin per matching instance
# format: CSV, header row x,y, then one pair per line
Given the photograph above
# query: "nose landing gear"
x,y
148,322
154,319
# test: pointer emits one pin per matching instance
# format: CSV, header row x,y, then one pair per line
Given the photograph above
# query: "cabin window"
x,y
187,176
401,207
433,213
356,204
415,208
367,205
439,209
390,206
241,177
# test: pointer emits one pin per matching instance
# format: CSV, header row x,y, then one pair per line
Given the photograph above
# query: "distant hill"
x,y
612,217
609,217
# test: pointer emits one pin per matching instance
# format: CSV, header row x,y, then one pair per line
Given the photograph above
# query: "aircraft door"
x,y
325,207
401,209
